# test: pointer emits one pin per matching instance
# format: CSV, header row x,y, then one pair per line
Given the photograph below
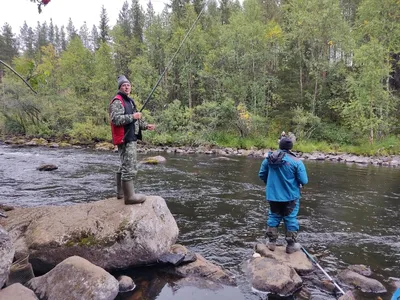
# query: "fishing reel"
x,y
40,3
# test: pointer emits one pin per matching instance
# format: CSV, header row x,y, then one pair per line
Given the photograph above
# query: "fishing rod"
x,y
16,73
173,57
349,294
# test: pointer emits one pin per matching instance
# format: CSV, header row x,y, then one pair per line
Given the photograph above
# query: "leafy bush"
x,y
333,133
175,117
304,123
87,132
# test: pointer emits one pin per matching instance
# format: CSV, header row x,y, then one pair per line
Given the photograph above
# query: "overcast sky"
x,y
15,12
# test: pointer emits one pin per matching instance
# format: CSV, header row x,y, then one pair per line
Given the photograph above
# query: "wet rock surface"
x,y
17,291
6,255
75,279
365,284
107,233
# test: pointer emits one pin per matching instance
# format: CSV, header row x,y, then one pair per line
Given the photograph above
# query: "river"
x,y
349,213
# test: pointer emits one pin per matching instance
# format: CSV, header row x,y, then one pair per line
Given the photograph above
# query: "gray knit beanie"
x,y
121,80
285,143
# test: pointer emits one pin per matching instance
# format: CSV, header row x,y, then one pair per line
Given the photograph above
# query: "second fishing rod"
x,y
172,58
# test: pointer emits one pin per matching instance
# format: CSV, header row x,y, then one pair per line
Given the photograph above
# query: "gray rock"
x,y
365,284
107,233
75,279
270,276
126,284
17,291
154,160
202,268
6,255
297,260
361,269
47,167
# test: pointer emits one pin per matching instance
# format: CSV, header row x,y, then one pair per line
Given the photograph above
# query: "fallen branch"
x,y
16,73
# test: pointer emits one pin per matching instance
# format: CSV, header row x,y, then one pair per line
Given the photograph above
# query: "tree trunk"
x,y
314,104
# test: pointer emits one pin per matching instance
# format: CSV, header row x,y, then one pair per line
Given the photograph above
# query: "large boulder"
x,y
6,255
107,233
74,279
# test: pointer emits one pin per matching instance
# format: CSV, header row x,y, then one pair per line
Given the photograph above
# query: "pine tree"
x,y
23,37
84,35
124,19
63,39
150,15
8,44
57,40
94,39
104,28
137,19
51,33
225,12
71,31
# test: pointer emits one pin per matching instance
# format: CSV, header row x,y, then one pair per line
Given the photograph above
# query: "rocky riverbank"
x,y
387,161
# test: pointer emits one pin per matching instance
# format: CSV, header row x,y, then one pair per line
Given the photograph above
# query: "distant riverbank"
x,y
389,160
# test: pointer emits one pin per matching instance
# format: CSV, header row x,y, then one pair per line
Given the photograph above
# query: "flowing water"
x,y
349,213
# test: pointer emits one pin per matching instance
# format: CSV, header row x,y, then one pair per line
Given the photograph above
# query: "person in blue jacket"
x,y
284,174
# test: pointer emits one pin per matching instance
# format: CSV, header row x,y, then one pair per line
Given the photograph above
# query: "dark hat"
x,y
121,80
285,144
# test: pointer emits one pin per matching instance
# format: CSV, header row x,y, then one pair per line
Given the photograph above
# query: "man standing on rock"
x,y
283,174
126,127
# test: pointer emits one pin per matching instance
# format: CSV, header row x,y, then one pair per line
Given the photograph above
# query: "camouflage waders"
x,y
128,170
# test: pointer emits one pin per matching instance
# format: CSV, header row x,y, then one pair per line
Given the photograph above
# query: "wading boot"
x,y
120,193
129,193
272,235
292,246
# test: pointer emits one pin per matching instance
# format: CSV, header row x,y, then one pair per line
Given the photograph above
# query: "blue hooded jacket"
x,y
283,179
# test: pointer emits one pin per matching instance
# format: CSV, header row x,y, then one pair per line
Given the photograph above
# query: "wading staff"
x,y
348,294
173,57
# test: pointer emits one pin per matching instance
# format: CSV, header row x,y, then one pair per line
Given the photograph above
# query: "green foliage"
x,y
88,131
304,123
333,133
175,117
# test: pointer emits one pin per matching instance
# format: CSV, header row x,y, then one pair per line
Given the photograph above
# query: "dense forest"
x,y
328,71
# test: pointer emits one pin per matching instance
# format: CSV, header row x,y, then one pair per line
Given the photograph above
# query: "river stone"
x,y
154,160
361,269
202,268
365,284
297,260
270,276
17,291
47,167
75,279
6,255
126,284
108,233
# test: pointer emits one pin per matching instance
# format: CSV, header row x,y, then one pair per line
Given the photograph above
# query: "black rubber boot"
x,y
120,193
292,246
272,235
129,193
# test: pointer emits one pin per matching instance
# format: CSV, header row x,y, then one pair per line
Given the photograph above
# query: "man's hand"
x,y
137,115
151,126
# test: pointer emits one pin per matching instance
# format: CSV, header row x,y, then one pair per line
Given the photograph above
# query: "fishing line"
x,y
173,57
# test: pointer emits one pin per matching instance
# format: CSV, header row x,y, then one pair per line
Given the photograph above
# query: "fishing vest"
x,y
125,133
